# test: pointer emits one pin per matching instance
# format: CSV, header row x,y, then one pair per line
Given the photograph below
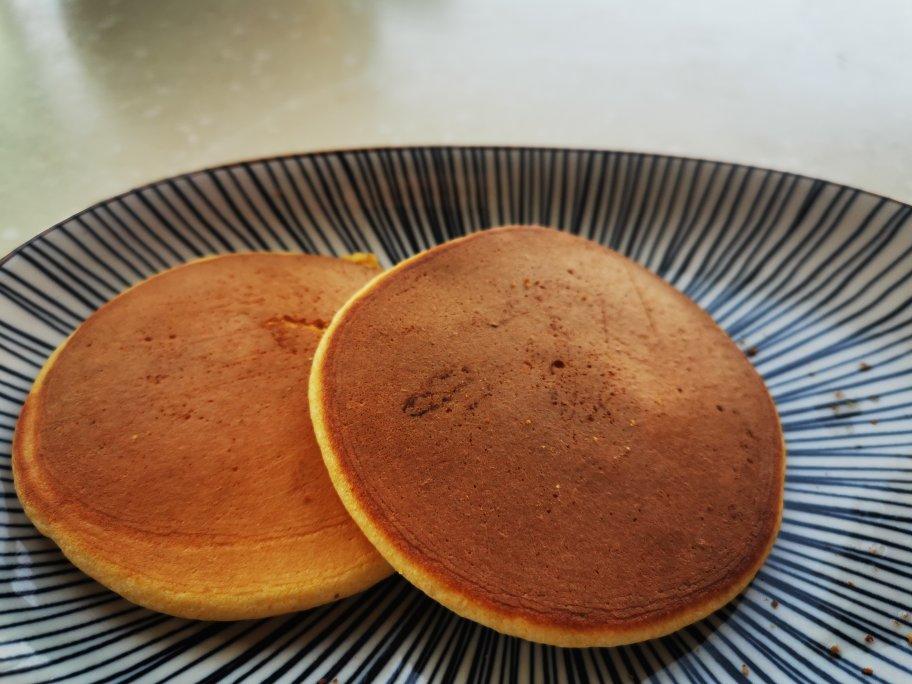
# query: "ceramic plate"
x,y
812,279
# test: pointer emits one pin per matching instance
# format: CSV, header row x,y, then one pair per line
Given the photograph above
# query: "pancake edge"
x,y
449,593
196,605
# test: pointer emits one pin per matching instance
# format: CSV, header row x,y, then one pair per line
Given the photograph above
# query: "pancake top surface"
x,y
170,442
535,428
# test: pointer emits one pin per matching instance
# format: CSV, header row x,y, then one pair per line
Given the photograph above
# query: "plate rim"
x,y
328,152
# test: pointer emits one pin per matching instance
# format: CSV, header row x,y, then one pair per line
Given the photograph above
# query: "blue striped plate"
x,y
813,279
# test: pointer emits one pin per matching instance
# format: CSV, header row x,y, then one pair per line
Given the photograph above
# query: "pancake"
x,y
548,439
167,447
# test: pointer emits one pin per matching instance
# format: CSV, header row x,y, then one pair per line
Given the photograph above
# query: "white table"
x,y
98,97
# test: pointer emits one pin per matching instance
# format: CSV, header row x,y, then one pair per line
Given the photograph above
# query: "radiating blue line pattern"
x,y
812,279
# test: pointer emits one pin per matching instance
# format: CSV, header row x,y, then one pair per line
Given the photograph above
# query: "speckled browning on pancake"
x,y
167,446
549,439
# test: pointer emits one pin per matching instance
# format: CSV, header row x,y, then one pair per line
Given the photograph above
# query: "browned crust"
x,y
459,596
113,554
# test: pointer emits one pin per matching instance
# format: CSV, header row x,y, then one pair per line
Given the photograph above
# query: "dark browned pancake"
x,y
167,447
549,439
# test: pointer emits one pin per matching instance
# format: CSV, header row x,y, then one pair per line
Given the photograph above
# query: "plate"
x,y
812,279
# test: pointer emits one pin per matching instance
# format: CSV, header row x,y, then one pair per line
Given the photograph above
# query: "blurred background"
x,y
99,96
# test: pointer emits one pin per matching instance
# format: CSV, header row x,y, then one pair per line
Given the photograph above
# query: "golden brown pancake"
x,y
549,439
167,448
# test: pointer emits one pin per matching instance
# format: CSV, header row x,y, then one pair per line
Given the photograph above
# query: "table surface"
x,y
98,97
